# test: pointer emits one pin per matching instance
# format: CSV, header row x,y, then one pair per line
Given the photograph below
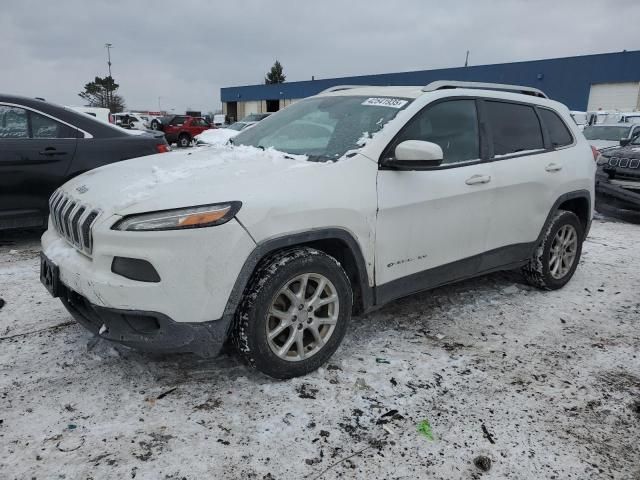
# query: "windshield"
x,y
608,132
237,126
323,128
255,117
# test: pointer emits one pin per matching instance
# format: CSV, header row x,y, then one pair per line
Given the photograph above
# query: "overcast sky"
x,y
184,51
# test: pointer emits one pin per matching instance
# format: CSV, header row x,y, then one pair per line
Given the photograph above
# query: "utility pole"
x,y
466,60
109,46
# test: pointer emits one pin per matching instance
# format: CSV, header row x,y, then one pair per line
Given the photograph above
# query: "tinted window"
x,y
178,120
453,125
558,131
45,127
13,122
515,128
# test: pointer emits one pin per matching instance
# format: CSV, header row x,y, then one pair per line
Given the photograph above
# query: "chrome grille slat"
x,y
624,162
73,220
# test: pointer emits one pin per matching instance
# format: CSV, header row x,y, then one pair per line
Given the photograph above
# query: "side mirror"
x,y
624,142
416,154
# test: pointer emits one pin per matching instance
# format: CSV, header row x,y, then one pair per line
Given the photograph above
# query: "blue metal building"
x,y
568,80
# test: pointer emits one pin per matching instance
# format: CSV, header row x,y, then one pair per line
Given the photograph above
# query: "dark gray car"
x,y
43,145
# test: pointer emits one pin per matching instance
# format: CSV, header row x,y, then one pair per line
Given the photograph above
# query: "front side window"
x,y
323,128
13,122
515,128
451,124
178,121
45,127
558,131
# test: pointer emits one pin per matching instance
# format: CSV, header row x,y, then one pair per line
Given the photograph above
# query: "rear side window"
x,y
558,131
13,122
45,127
515,128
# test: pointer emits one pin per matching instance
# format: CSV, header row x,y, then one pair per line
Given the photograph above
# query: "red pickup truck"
x,y
181,129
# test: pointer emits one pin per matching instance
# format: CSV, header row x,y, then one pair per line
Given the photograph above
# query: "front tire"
x,y
294,313
557,256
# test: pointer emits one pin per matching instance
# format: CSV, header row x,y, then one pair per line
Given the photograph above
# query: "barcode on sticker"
x,y
385,102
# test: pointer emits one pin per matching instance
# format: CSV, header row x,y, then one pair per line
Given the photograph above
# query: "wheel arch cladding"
x,y
579,205
336,242
578,202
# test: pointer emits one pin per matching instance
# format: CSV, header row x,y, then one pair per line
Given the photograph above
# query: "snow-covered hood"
x,y
199,176
216,136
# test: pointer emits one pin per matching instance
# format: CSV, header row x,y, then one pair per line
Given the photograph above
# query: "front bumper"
x,y
616,195
146,331
197,269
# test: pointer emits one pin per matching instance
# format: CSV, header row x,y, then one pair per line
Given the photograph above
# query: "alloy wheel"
x,y
563,251
302,317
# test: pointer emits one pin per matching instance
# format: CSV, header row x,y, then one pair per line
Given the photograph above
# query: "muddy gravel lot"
x,y
488,379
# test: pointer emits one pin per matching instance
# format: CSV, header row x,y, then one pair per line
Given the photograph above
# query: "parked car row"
x,y
43,145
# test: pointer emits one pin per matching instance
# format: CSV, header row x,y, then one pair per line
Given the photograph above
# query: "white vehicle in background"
x,y
129,120
220,136
333,206
219,119
609,135
630,117
580,118
102,114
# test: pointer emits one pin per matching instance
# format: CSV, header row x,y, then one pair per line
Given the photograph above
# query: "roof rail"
x,y
337,88
445,84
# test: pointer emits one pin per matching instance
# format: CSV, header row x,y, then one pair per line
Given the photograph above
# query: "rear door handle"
x,y
50,151
553,167
478,179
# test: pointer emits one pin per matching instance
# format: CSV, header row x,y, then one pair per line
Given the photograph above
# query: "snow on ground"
x,y
544,384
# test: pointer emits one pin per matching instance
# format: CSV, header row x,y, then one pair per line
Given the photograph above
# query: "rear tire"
x,y
557,256
286,330
155,125
184,140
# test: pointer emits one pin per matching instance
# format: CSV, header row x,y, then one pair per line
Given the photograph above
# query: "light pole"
x,y
159,108
109,46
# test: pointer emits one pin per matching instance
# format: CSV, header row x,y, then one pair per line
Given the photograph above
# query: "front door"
x,y
432,224
35,154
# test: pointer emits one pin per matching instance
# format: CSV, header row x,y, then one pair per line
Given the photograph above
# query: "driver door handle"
x,y
478,179
553,167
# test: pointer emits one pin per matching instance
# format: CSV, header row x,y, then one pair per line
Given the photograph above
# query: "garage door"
x,y
614,96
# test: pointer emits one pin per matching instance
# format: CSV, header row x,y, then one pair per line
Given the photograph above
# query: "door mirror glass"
x,y
419,151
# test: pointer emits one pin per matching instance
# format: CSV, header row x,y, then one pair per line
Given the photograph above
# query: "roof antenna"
x,y
466,60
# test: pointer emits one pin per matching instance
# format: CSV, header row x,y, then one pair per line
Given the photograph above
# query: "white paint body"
x,y
432,217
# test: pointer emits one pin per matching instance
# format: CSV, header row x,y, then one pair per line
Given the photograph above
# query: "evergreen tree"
x,y
275,75
102,93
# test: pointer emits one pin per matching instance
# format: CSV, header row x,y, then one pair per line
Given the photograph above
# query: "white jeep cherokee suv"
x,y
337,204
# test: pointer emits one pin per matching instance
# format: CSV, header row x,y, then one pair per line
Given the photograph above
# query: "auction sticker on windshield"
x,y
385,102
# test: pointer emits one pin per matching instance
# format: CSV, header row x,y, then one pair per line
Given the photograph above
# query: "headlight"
x,y
179,218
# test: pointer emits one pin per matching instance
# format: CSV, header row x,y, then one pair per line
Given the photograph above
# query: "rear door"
x,y
197,126
530,170
36,152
